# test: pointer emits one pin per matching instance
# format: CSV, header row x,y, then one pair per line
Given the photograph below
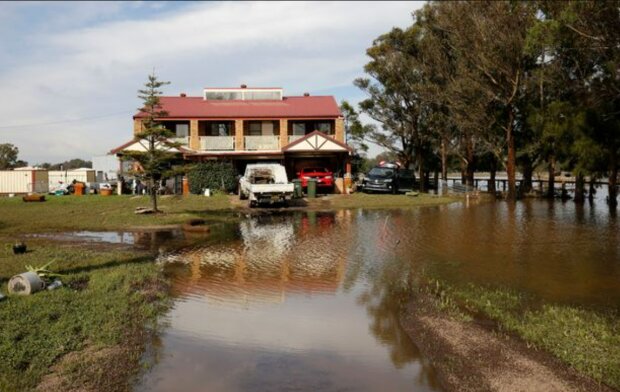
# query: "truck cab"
x,y
265,183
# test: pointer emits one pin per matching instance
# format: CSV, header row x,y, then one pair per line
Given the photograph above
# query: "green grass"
x,y
108,299
363,200
93,212
587,340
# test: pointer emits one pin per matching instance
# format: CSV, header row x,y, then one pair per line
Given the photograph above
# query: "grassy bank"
x,y
586,340
87,335
66,213
70,213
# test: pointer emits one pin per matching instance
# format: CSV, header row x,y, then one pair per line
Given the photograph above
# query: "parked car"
x,y
265,183
388,177
324,177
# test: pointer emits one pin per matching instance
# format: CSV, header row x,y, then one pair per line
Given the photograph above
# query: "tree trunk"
x,y
421,170
511,159
528,170
551,190
491,185
580,189
153,194
613,182
444,161
151,179
436,179
592,190
469,162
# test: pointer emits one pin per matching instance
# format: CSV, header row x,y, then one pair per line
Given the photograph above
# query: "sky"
x,y
70,71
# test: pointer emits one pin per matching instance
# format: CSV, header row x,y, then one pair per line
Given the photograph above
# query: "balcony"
x,y
217,143
262,142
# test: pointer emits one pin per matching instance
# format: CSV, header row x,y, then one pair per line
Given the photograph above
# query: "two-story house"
x,y
245,125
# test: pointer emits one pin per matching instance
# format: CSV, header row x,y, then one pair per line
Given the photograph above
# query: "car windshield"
x,y
381,172
315,170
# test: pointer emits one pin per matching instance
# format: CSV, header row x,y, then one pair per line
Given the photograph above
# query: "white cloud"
x,y
96,67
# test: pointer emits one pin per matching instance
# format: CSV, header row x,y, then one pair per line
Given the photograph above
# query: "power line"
x,y
64,121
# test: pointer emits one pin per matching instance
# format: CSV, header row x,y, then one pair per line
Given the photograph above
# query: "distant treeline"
x,y
498,86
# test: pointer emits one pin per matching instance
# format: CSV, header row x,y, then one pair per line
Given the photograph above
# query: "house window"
x,y
182,130
325,127
220,129
299,129
255,128
223,95
262,95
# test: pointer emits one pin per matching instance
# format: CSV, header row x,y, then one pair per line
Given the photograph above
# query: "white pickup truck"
x,y
265,183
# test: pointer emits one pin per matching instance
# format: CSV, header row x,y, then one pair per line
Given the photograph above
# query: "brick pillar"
x,y
339,131
137,126
194,136
239,135
283,133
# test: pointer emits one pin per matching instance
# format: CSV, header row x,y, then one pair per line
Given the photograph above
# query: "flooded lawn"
x,y
309,301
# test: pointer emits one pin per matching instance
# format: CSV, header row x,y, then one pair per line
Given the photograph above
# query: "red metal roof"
x,y
288,107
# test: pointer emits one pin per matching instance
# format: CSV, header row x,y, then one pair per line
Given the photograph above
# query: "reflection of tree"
x,y
389,290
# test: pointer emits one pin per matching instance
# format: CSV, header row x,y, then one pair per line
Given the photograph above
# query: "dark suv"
x,y
388,178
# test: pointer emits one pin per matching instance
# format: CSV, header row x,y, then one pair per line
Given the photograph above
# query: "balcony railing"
x,y
184,141
292,138
262,142
217,143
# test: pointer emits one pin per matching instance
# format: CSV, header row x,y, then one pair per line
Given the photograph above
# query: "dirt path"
x,y
470,357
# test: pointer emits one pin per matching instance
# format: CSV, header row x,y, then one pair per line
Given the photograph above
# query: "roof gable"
x,y
317,141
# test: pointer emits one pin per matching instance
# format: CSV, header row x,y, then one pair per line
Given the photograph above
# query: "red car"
x,y
324,178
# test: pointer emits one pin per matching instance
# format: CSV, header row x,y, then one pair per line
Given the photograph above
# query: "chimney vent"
x,y
183,95
306,94
244,86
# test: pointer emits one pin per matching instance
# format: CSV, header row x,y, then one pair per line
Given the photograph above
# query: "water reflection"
x,y
310,301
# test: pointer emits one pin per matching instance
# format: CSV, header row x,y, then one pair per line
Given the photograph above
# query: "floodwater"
x,y
309,301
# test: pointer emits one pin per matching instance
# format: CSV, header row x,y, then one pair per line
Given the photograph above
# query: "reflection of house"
x,y
261,266
246,125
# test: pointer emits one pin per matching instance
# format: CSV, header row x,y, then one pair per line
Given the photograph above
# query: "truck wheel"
x,y
253,204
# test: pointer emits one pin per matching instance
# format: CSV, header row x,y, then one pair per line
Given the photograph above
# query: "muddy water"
x,y
310,301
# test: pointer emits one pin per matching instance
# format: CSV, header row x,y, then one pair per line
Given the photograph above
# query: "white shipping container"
x,y
23,181
59,177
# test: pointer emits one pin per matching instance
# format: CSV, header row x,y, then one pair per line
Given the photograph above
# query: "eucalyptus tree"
x,y
489,41
394,98
583,41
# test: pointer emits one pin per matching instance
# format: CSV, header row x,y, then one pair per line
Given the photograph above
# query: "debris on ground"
x,y
19,248
54,285
144,210
26,283
33,198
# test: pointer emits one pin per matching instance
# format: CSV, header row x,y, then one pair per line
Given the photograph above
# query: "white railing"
x,y
262,142
292,138
213,143
184,141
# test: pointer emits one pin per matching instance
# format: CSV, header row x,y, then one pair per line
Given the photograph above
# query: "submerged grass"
x,y
89,333
584,339
363,200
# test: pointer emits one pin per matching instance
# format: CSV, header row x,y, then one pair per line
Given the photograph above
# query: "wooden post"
x,y
185,186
